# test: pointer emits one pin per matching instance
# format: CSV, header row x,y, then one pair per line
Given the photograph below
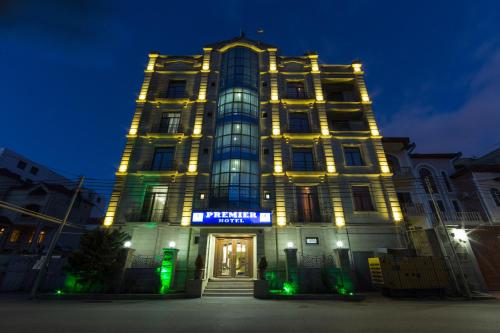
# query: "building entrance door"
x,y
233,258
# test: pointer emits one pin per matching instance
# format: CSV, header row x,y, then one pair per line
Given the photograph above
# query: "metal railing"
x,y
349,125
416,209
402,172
138,215
297,218
304,167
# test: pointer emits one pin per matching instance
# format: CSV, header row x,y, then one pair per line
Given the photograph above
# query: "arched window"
x,y
428,180
393,163
495,193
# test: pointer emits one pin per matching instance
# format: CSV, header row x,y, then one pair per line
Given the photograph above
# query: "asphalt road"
x,y
375,314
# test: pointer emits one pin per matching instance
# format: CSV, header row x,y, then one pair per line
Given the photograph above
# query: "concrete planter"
x,y
193,288
260,289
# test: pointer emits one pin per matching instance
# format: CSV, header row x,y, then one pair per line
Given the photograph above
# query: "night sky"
x,y
71,70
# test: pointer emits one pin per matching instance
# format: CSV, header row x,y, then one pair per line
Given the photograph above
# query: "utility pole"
x,y
45,262
448,239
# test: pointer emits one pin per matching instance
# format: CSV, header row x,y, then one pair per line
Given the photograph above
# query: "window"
x,y
405,199
353,156
14,236
176,89
307,204
21,165
169,122
393,163
41,237
302,159
155,204
495,194
295,90
428,180
34,170
163,159
341,92
446,181
298,122
362,198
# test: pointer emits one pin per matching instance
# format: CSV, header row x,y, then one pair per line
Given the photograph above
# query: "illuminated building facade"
x,y
240,152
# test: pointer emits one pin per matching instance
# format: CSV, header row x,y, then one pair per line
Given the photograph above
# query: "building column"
x,y
131,140
195,141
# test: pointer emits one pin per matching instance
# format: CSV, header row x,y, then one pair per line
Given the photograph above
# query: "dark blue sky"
x,y
70,73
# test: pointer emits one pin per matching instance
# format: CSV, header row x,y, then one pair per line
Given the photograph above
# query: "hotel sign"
x,y
227,218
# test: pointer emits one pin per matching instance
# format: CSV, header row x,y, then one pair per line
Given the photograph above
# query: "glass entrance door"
x,y
233,258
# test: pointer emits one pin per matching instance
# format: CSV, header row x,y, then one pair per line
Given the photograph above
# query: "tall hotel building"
x,y
240,153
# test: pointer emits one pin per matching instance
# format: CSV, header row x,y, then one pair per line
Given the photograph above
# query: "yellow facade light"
x,y
274,97
133,131
385,168
192,168
108,220
151,62
123,168
197,130
276,131
278,168
281,221
325,131
142,97
356,66
374,131
330,168
339,221
185,221
365,98
202,96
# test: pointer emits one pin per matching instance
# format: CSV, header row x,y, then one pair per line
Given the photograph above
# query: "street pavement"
x,y
375,314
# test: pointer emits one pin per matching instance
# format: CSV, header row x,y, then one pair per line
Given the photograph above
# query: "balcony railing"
x,y
402,172
451,218
349,125
304,167
461,217
297,95
301,129
163,130
157,216
297,218
417,209
148,166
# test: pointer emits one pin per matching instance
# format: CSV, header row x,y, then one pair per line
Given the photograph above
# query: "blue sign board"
x,y
227,218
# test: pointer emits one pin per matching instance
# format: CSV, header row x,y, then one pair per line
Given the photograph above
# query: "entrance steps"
x,y
229,288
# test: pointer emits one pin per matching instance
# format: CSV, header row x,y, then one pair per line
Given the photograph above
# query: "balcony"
x,y
296,218
154,216
402,172
349,125
461,218
304,170
158,132
449,218
165,170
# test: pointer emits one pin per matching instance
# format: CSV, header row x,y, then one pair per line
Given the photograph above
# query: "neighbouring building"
x,y
460,192
241,152
35,187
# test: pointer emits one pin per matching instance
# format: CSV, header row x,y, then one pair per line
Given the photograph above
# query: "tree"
x,y
99,260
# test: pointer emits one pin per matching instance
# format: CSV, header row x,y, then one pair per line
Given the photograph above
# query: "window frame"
x,y
361,155
161,168
370,195
175,93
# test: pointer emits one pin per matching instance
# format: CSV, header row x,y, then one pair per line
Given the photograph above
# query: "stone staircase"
x,y
229,288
